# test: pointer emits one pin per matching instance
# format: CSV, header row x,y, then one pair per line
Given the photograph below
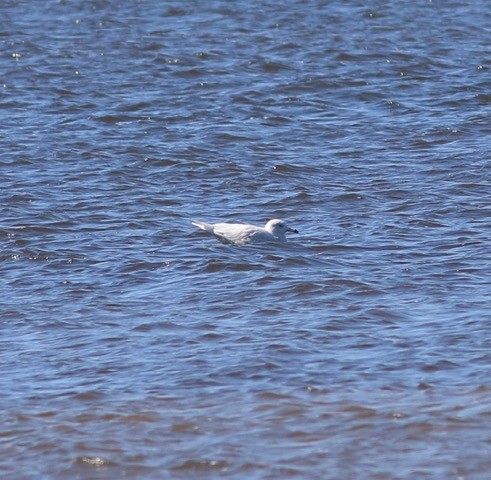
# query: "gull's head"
x,y
279,228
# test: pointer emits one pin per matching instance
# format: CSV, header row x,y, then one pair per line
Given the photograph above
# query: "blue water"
x,y
134,346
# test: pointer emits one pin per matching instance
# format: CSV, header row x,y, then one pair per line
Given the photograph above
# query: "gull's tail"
x,y
204,226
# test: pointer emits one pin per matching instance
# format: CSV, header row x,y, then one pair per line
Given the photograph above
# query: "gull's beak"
x,y
293,230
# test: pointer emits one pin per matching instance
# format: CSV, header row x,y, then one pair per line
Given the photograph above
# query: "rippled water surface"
x,y
133,346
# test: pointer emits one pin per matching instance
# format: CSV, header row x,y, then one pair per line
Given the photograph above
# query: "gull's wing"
x,y
234,232
241,234
207,227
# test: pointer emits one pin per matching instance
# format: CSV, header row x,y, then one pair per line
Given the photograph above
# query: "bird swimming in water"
x,y
241,234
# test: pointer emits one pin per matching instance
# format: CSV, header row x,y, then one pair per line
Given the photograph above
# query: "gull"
x,y
241,234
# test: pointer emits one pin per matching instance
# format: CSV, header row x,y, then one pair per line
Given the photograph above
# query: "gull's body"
x,y
241,234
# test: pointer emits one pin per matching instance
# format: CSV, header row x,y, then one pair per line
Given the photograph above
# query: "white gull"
x,y
240,234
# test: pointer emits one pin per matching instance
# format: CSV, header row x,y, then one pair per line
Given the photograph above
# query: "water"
x,y
133,346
